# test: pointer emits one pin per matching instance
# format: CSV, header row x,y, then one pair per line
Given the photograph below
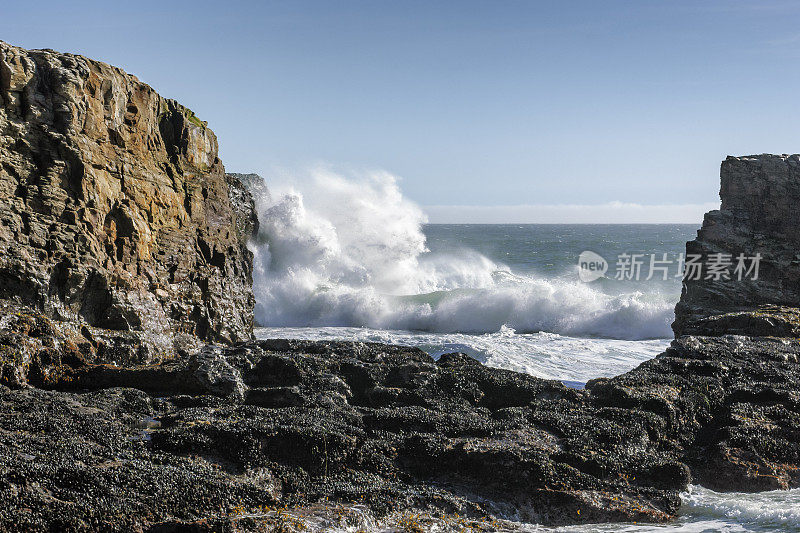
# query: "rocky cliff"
x,y
759,215
115,211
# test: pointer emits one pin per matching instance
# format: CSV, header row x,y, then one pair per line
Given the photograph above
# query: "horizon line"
x,y
698,224
607,213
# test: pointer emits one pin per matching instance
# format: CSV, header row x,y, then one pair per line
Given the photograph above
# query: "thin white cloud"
x,y
608,213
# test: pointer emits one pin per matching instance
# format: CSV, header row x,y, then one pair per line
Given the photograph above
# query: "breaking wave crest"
x,y
352,252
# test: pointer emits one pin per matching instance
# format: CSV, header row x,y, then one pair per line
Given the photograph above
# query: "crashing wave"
x,y
352,252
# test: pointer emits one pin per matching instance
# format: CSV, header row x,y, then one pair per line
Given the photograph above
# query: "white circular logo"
x,y
591,266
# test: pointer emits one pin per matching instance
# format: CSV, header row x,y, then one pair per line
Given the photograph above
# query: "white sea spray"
x,y
352,252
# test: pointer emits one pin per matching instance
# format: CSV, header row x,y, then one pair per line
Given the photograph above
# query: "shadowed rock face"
x,y
115,209
759,214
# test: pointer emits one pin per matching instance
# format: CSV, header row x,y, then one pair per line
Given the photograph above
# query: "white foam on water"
x,y
351,252
544,355
707,511
777,510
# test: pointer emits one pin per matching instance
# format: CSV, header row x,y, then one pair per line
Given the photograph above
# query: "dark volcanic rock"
x,y
115,209
759,214
742,392
300,422
730,408
295,423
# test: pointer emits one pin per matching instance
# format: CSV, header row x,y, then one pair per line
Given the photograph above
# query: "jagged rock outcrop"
x,y
728,407
741,330
253,183
759,215
240,192
115,211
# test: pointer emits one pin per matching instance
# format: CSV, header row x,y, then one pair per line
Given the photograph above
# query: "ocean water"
x,y
344,258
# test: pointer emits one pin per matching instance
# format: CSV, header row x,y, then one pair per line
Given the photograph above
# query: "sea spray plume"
x,y
351,252
379,231
329,251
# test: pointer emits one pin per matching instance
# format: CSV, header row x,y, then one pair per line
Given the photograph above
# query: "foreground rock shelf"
x,y
273,423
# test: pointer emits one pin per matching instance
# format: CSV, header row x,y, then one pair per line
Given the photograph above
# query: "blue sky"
x,y
476,104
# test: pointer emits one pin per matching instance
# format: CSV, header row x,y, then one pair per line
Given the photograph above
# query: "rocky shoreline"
x,y
274,423
134,398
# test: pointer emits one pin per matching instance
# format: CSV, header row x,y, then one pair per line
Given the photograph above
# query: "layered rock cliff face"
x,y
115,211
759,215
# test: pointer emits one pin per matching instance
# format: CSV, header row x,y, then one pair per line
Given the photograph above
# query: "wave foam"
x,y
765,511
544,355
353,253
